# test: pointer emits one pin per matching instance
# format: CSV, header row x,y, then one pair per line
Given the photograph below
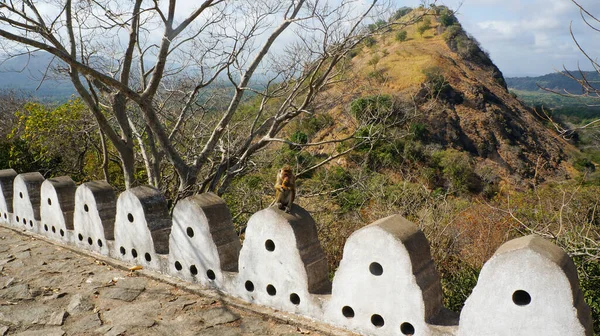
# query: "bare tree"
x,y
150,75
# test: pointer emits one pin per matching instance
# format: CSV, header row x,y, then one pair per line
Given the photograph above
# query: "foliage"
x,y
424,26
377,25
371,109
584,165
447,18
401,35
369,41
458,169
436,81
403,11
465,45
298,138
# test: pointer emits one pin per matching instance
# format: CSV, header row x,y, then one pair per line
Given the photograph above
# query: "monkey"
x,y
285,189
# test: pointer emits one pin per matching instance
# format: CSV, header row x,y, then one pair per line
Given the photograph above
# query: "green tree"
x,y
401,36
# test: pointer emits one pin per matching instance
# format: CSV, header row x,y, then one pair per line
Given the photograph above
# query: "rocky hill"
x,y
460,98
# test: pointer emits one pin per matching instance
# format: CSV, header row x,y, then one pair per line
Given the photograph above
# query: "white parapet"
x,y
529,287
386,283
57,206
282,263
142,228
203,242
7,177
26,200
94,217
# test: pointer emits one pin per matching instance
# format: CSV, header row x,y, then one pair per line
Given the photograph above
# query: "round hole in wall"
x,y
62,233
407,329
271,290
49,201
130,217
193,270
24,221
31,223
21,194
210,274
90,241
148,257
376,269
53,229
85,208
18,219
122,250
249,286
521,298
45,227
5,216
348,312
134,253
377,320
80,237
190,232
99,242
295,299
178,266
270,245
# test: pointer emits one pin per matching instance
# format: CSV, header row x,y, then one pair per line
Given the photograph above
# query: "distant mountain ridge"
x,y
555,81
24,74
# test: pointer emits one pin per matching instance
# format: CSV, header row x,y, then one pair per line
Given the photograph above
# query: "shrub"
x,y
457,168
400,13
419,131
370,41
372,108
401,36
584,165
435,81
423,27
447,18
375,26
299,138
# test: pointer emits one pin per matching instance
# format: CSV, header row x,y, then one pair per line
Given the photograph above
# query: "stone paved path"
x,y
48,290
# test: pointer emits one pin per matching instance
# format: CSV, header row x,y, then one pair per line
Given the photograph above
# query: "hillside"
x,y
461,100
553,81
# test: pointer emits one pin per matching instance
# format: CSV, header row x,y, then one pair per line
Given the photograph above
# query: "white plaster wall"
x,y
133,235
490,310
196,253
7,177
88,227
53,221
281,268
393,295
26,201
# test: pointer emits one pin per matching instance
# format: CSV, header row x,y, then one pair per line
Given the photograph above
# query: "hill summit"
x,y
456,97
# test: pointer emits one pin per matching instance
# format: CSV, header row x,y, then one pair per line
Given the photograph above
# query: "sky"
x,y
530,37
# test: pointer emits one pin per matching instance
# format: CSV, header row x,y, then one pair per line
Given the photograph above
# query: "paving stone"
x,y
23,255
218,316
57,318
54,286
133,315
32,314
79,304
55,331
6,281
16,292
84,323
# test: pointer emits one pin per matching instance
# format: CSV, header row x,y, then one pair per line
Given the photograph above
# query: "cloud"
x,y
531,37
